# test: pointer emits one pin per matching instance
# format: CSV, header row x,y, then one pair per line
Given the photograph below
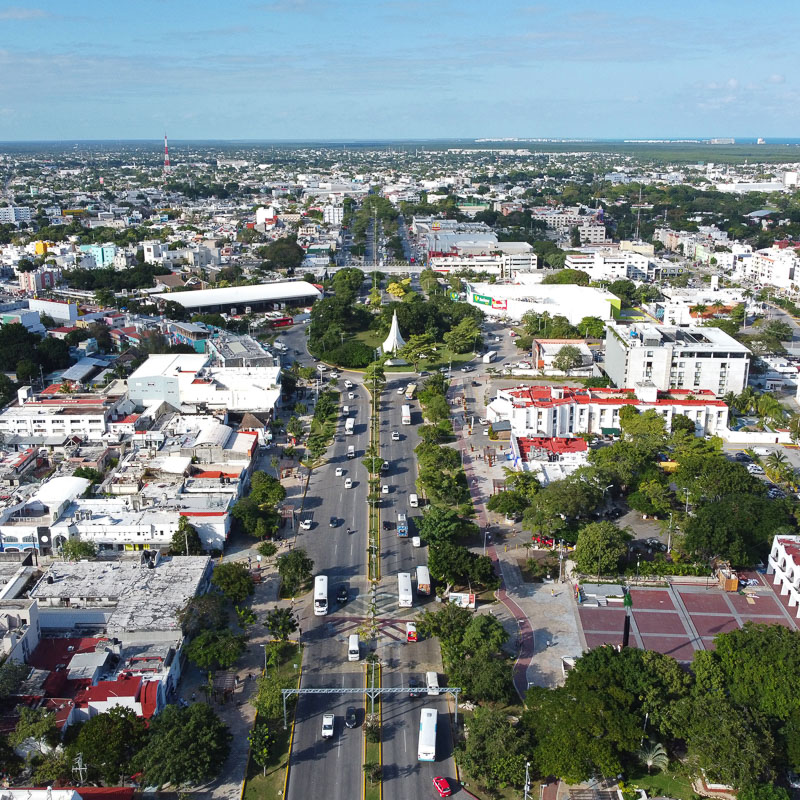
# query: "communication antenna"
x,y
166,155
79,769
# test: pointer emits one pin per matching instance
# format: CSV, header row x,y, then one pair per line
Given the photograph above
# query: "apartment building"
x,y
546,411
13,215
692,358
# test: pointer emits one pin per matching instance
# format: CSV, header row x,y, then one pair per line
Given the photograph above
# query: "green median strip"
x,y
373,750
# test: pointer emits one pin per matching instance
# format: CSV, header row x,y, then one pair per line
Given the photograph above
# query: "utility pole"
x,y
527,787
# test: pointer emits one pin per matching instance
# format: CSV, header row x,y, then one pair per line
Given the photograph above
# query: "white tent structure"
x,y
394,341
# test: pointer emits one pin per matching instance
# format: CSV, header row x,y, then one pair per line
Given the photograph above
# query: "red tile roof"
x,y
542,396
558,445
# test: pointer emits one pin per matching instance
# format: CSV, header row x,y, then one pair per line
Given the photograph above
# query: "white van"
x,y
413,501
345,411
432,683
353,652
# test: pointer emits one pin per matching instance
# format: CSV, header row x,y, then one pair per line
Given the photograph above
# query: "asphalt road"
x,y
403,775
336,764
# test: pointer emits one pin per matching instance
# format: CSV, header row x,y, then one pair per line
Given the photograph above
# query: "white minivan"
x,y
413,501
432,683
353,652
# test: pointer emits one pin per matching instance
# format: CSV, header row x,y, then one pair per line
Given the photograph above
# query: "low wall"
x,y
749,438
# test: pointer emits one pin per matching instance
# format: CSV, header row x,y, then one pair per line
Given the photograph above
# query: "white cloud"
x,y
18,13
776,78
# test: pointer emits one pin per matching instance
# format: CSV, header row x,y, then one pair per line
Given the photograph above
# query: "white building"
x,y
501,264
612,265
773,266
13,215
514,300
185,380
695,359
333,215
536,411
783,563
61,415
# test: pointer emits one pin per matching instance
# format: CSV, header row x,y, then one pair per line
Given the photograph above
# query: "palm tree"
x,y
654,756
698,310
775,460
794,427
745,400
730,400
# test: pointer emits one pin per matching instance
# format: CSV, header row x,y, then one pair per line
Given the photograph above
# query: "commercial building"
x,y
61,311
53,414
693,358
229,350
545,351
536,411
612,265
186,380
244,299
514,300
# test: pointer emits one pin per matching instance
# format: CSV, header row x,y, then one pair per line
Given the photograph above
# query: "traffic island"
x,y
373,751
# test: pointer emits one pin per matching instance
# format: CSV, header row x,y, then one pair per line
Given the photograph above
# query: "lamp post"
x,y
265,659
485,534
686,492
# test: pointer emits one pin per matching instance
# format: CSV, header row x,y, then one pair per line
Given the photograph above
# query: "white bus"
x,y
423,580
426,751
321,595
404,596
411,390
348,425
405,413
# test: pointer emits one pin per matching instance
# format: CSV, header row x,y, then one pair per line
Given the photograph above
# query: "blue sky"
x,y
397,69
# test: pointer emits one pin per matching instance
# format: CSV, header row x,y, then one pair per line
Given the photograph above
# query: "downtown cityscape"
x,y
399,400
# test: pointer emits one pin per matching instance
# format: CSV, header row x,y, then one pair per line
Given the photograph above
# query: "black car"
x,y
341,594
350,718
743,458
387,526
416,689
333,522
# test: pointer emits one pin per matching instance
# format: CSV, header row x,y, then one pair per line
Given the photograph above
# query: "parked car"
x,y
305,525
401,390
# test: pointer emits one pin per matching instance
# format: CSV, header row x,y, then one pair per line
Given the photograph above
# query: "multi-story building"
x,y
59,415
536,411
612,265
103,254
692,358
39,280
774,266
502,264
13,215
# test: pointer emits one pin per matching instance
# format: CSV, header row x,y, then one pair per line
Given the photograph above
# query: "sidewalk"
x,y
545,614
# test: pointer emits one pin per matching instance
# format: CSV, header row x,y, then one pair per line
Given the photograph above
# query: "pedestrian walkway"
x,y
545,613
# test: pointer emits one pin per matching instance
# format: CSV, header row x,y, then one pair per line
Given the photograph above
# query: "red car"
x,y
442,785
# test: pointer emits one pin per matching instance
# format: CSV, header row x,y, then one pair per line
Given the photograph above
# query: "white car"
x,y
305,525
401,390
483,421
348,384
350,396
327,726
339,472
334,374
395,436
384,489
348,483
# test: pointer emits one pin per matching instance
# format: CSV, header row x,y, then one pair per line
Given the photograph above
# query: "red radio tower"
x,y
166,154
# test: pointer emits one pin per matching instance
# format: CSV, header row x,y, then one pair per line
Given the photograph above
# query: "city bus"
x,y
320,595
405,413
404,597
411,390
279,322
426,751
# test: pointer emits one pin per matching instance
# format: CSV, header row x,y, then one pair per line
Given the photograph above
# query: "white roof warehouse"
x,y
237,299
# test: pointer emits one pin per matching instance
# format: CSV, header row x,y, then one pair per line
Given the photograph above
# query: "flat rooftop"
x,y
146,599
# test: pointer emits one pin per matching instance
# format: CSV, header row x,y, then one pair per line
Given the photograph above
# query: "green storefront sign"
x,y
481,299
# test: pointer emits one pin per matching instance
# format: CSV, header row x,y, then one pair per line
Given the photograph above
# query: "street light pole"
x,y
686,492
265,659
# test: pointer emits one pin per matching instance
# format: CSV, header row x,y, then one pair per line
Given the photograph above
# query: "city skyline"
x,y
305,70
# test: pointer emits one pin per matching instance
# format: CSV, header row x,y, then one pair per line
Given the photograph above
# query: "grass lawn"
x,y
372,750
665,784
439,359
269,786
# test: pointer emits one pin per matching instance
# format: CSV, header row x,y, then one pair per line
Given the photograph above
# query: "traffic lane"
x,y
404,775
331,763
